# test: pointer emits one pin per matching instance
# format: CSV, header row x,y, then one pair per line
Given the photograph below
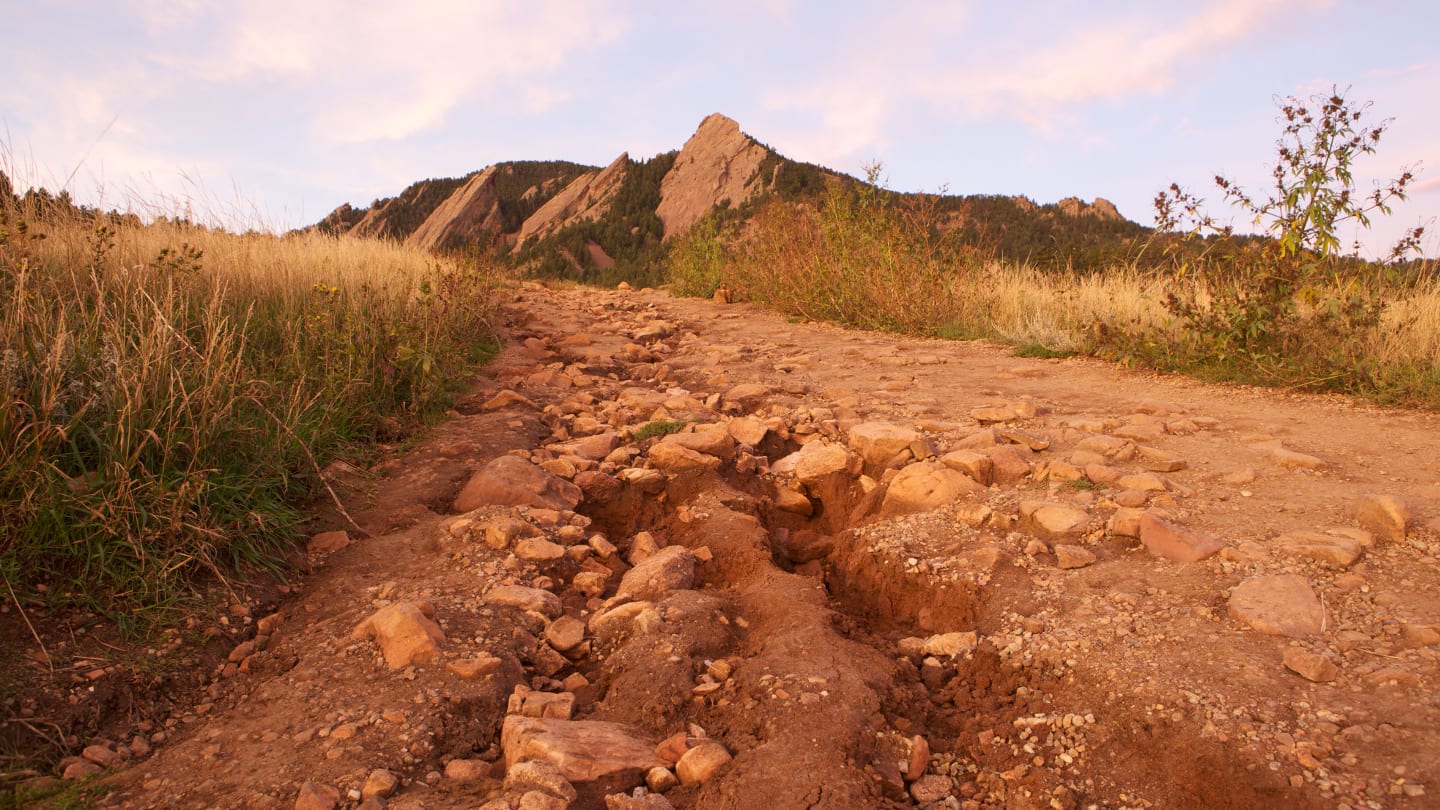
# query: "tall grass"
x,y
166,390
859,261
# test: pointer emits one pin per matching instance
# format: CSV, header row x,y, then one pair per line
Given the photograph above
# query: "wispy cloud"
x,y
1106,61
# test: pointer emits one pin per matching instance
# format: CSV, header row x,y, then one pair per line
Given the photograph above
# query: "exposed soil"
x,y
812,643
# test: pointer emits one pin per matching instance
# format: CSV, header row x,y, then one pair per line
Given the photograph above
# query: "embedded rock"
x,y
405,632
513,481
1278,605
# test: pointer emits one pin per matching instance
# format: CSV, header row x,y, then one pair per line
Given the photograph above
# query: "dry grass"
x,y
859,262
166,390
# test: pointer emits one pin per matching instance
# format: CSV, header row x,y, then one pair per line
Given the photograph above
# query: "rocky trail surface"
x,y
674,553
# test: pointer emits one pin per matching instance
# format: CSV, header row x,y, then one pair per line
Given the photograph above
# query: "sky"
x,y
269,114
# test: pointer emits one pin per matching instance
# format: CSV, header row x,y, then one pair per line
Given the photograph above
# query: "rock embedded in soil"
x,y
539,775
701,763
878,442
327,542
1068,556
674,458
930,789
473,668
923,486
1053,520
525,598
406,633
584,751
1278,605
380,783
647,801
1334,551
1172,542
973,463
513,481
670,569
565,633
317,797
818,460
950,645
466,771
1386,516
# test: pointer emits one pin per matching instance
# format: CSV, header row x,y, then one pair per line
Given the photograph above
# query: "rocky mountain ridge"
x,y
562,217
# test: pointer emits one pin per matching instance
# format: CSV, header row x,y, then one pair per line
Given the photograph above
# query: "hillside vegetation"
x,y
168,393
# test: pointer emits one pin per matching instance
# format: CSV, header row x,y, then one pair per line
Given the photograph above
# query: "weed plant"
x,y
168,392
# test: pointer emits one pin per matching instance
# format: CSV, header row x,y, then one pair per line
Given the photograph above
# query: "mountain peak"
x,y
719,163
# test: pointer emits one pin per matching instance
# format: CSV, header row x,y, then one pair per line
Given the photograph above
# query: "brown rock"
x,y
466,771
673,458
317,797
622,619
473,668
524,598
565,633
1067,556
405,632
328,542
1145,482
701,763
710,442
1152,458
919,758
539,550
926,485
591,583
994,414
951,645
1009,463
594,448
648,801
597,487
745,398
1335,551
973,463
878,442
1023,438
1293,459
1278,605
101,755
539,775
818,460
1053,520
379,784
748,430
513,481
1125,523
789,500
930,789
1172,542
1310,666
661,780
671,568
508,399
1385,515
584,751
80,769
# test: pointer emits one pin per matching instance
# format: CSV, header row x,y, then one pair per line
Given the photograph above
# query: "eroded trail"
x,y
862,571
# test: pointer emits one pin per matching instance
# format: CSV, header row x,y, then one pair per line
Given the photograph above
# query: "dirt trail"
x,y
952,608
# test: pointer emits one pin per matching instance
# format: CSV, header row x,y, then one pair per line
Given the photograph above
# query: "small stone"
x,y
673,458
930,789
951,645
467,770
565,633
1310,666
101,755
701,763
1294,459
539,775
590,583
317,797
328,542
973,463
1067,556
1385,515
661,780
919,758
405,632
539,550
1157,460
80,769
379,784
